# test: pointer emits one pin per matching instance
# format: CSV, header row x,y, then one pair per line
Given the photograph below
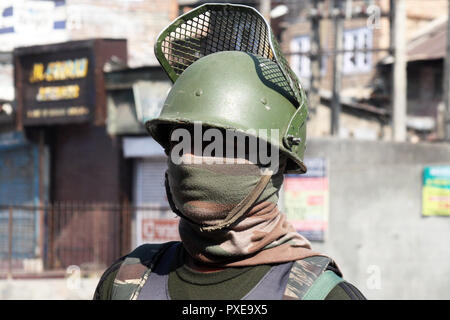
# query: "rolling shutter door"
x,y
155,221
149,183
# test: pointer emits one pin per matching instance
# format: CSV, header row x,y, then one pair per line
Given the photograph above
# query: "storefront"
x,y
61,107
61,102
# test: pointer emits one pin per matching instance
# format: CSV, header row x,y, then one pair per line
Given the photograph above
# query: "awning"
x,y
429,43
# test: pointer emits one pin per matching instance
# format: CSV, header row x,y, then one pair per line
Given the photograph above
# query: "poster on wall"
x,y
436,191
306,199
156,228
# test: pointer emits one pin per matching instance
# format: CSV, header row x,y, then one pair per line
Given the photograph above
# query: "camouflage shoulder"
x,y
304,273
135,269
105,284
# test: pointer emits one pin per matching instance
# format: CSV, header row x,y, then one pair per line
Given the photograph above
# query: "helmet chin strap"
x,y
238,211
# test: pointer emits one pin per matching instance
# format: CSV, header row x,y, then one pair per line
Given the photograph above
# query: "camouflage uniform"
x,y
125,278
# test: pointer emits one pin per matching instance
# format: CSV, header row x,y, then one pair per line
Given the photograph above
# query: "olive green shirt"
x,y
232,283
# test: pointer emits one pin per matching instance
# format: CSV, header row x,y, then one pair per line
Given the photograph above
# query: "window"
x,y
301,64
358,62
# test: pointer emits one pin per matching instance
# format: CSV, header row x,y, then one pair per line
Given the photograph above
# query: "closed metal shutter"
x,y
155,221
149,183
19,186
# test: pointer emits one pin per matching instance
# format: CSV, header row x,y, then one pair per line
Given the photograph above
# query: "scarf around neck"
x,y
205,193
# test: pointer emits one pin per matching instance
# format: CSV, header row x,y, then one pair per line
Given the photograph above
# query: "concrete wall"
x,y
376,232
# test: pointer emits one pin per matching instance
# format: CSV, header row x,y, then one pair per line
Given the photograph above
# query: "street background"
x,y
81,182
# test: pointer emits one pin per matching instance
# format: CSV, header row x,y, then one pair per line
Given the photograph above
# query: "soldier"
x,y
231,85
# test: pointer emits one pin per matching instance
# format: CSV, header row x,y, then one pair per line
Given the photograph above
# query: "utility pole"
x,y
314,97
398,43
337,67
444,115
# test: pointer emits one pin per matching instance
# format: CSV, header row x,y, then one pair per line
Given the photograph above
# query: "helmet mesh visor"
x,y
214,28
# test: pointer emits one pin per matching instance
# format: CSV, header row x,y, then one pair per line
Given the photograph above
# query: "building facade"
x,y
366,43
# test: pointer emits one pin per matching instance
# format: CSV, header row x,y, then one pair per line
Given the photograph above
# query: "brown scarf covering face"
x,y
205,193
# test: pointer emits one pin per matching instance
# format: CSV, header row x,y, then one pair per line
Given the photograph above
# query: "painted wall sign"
x,y
28,22
436,191
306,199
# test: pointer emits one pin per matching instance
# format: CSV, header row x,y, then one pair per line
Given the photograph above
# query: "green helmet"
x,y
235,80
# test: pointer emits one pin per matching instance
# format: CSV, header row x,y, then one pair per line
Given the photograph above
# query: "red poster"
x,y
159,230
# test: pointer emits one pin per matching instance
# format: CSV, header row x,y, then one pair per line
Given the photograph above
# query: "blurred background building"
x,y
81,182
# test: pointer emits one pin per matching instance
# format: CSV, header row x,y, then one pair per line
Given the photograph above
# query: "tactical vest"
x,y
305,279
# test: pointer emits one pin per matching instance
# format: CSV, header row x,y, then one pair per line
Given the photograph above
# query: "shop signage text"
x,y
56,87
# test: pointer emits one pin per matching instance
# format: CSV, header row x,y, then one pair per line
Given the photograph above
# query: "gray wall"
x,y
376,232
